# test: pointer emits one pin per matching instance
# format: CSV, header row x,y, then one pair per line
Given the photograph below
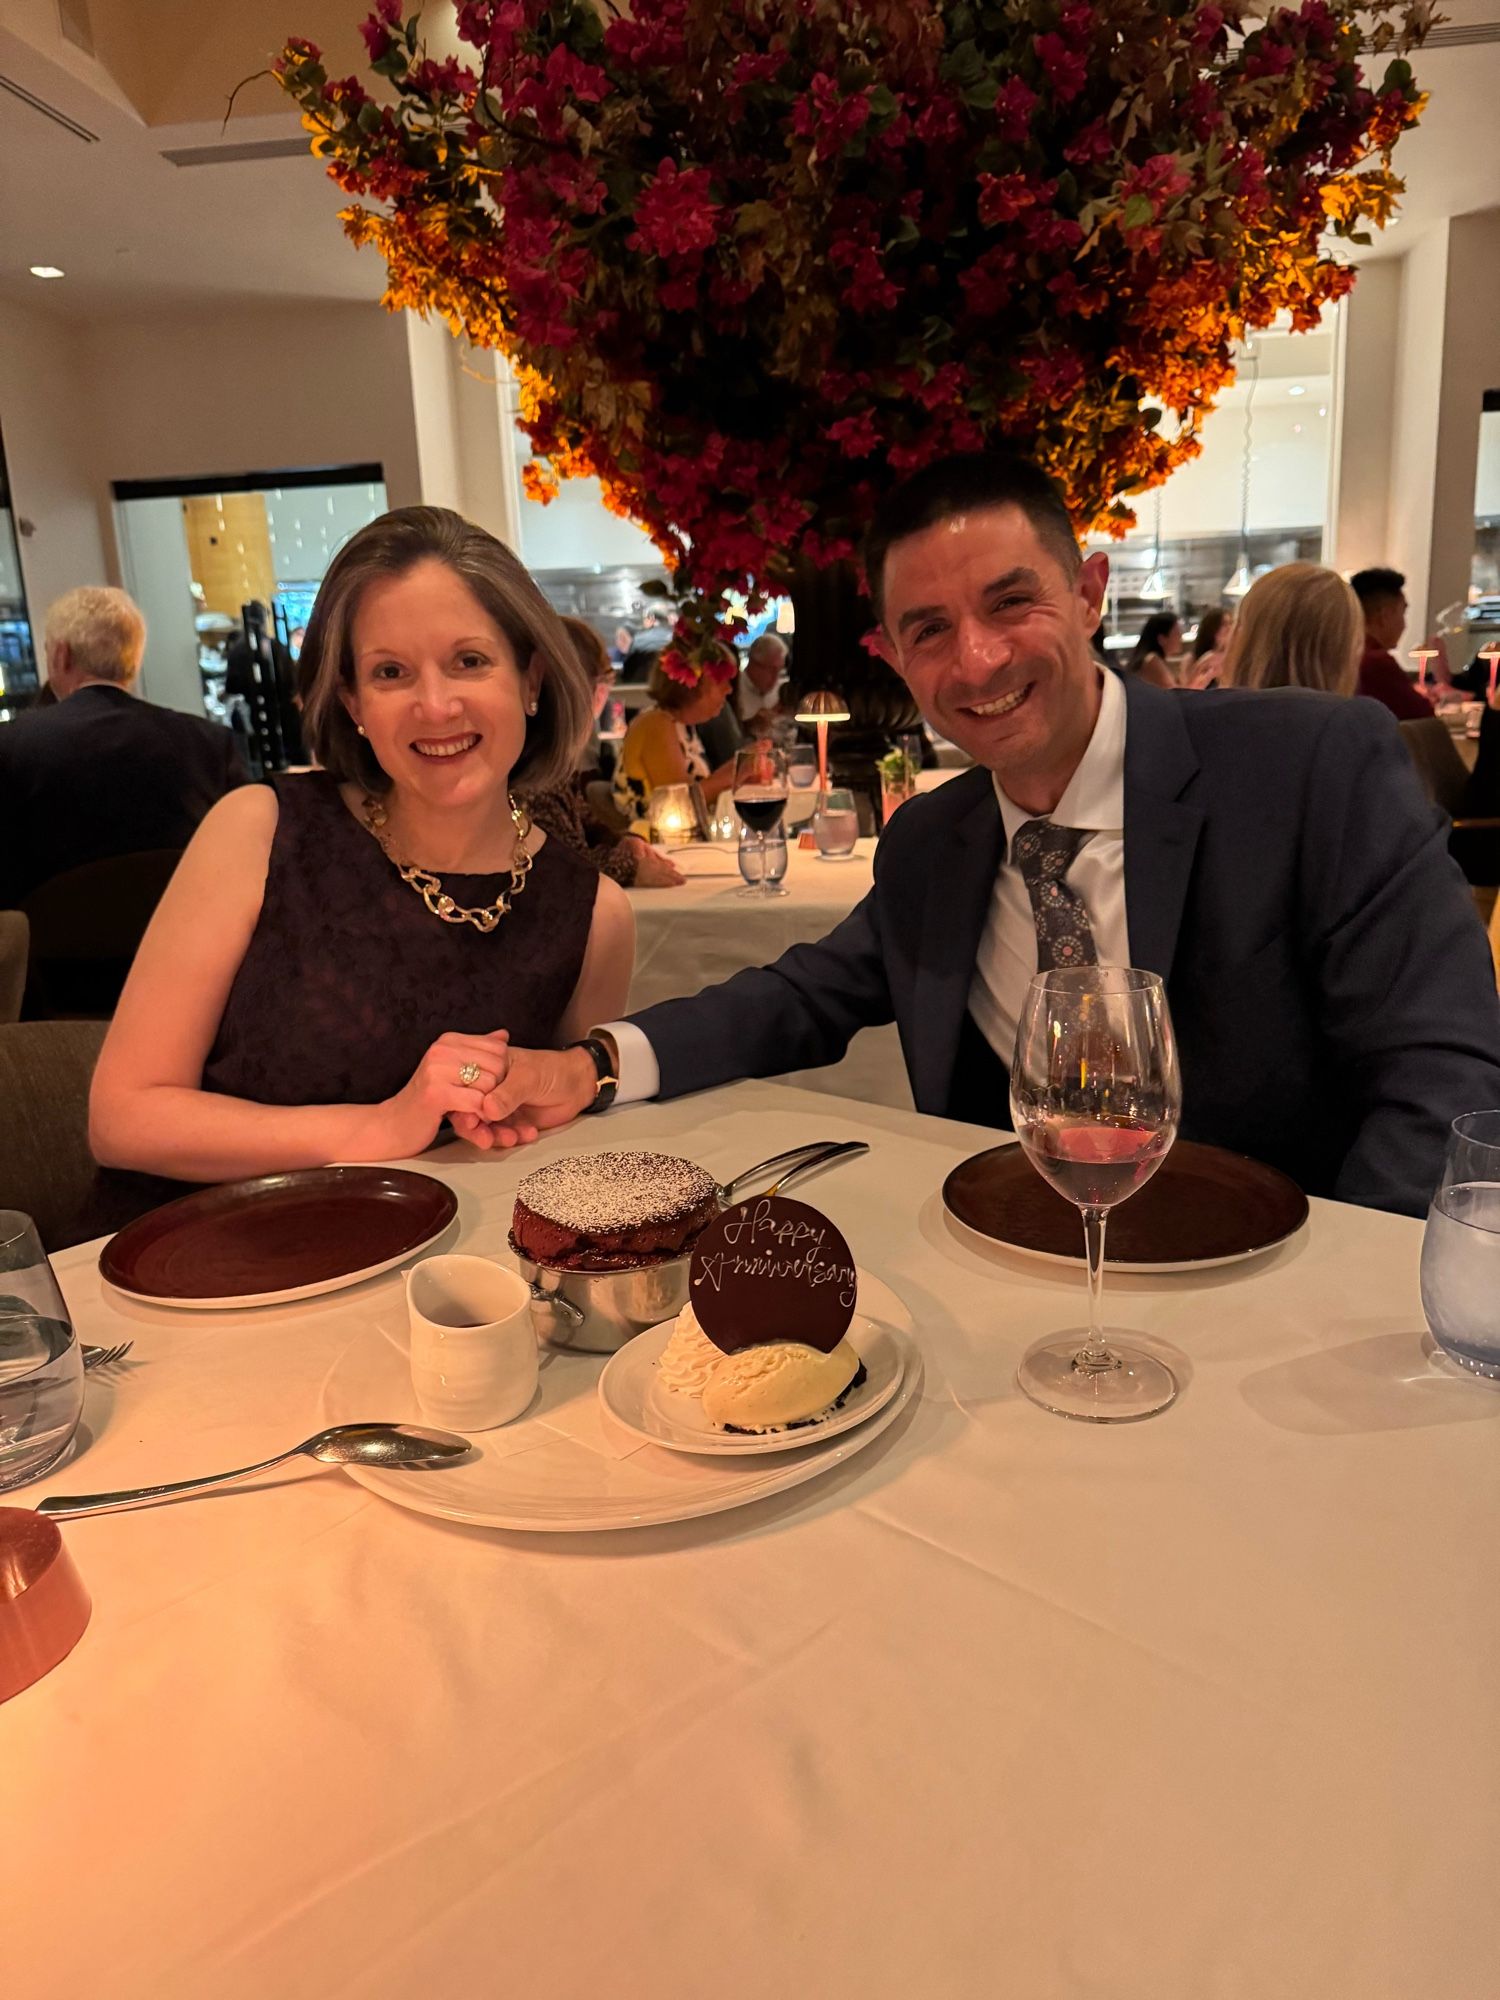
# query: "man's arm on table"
x,y
799,1013
1406,986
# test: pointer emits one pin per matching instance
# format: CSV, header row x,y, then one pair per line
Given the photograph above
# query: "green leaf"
x,y
882,102
981,96
906,231
1398,75
1137,212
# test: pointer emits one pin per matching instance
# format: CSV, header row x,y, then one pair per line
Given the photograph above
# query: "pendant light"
x,y
1241,580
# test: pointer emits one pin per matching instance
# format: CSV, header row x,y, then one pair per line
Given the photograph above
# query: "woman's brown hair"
x,y
390,547
589,647
1300,626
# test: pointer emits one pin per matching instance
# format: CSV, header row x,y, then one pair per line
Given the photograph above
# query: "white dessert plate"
x,y
633,1394
566,1466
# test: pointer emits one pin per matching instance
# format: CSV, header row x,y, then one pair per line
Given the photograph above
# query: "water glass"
x,y
836,825
41,1367
1461,1248
802,767
763,863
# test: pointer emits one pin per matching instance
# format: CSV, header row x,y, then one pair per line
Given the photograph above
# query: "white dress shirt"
x,y
1094,800
1006,961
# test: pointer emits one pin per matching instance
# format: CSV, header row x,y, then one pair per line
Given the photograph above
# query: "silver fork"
x,y
101,1357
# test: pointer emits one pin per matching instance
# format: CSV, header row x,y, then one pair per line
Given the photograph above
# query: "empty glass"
x,y
836,825
1461,1249
763,862
41,1368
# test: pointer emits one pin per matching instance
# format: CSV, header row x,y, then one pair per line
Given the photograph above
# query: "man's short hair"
x,y
1370,586
960,485
102,628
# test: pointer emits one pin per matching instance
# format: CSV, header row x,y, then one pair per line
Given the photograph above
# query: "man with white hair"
x,y
758,696
101,772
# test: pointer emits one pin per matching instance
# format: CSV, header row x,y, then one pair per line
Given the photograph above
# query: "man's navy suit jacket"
x,y
1330,982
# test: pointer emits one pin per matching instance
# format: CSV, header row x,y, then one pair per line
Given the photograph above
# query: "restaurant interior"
x,y
749,839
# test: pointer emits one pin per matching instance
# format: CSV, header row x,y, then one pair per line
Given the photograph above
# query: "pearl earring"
x,y
531,708
360,727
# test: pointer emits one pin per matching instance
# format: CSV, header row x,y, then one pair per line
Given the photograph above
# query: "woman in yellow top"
x,y
662,745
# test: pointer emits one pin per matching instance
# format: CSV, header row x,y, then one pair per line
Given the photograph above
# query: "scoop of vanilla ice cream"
x,y
780,1383
689,1357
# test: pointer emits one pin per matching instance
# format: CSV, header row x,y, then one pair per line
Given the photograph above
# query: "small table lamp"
x,y
823,708
1422,654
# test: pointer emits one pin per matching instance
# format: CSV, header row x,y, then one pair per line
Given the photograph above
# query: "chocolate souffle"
x,y
611,1211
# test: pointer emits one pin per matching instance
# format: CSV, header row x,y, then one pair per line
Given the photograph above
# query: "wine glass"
x,y
1095,1096
760,788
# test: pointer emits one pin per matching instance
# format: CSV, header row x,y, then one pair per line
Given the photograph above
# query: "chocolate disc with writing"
x,y
770,1269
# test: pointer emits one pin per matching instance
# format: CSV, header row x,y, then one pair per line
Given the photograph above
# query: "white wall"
x,y
1487,480
49,451
576,530
179,395
156,571
1360,527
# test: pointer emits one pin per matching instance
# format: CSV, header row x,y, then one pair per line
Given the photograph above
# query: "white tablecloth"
x,y
700,933
1196,1709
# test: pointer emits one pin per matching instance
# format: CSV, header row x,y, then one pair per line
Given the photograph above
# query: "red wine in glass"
x,y
759,811
1096,1098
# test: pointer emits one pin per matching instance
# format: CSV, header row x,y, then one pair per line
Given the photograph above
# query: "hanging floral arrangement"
x,y
749,258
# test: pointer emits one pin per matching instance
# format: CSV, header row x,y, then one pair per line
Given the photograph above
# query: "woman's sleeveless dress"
x,y
349,978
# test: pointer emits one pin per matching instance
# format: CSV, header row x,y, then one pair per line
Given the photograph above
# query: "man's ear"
x,y
879,642
1092,584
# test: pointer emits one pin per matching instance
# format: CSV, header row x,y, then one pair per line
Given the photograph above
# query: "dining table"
x,y
1200,1708
706,928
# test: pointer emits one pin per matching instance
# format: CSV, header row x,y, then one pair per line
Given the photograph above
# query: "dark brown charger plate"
x,y
1202,1206
282,1236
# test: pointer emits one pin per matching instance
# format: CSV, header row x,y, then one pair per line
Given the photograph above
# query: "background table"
x,y
1196,1709
694,936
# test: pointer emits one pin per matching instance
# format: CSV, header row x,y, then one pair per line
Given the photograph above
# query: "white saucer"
x,y
631,1391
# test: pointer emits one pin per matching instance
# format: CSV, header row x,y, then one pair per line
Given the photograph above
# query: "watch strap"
x,y
607,1081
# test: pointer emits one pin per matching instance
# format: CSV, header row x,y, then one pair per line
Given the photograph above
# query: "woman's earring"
x,y
360,727
531,708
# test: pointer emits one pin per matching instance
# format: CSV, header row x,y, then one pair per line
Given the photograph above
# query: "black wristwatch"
x,y
604,1064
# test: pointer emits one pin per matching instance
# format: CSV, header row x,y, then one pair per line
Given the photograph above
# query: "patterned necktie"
x,y
1044,853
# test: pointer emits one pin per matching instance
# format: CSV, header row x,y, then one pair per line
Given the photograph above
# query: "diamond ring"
x,y
470,1074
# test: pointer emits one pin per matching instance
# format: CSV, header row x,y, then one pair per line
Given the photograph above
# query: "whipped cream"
x,y
689,1357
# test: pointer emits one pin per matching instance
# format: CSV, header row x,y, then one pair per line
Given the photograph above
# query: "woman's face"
x,y
1171,642
601,695
437,687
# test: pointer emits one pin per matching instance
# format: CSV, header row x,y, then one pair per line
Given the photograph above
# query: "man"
x,y
758,695
1270,854
1382,598
101,772
654,637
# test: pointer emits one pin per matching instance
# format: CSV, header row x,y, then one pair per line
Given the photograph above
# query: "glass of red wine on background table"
x,y
760,788
1096,1098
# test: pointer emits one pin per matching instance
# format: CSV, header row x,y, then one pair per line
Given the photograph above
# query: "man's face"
x,y
764,667
991,634
1385,621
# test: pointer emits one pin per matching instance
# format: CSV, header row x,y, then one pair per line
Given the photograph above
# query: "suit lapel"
x,y
1161,833
954,911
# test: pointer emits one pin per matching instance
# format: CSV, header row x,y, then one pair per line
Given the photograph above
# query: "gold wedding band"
x,y
470,1074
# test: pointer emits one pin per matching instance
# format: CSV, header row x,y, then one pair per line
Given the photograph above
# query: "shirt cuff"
x,y
638,1072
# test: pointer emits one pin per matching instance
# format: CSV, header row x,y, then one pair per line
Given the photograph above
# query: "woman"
x,y
1210,644
1160,642
662,747
341,956
1299,626
566,812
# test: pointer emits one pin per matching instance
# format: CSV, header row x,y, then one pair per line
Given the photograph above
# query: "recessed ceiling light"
x,y
45,271
1296,390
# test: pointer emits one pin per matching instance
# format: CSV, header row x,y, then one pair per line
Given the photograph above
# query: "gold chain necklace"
x,y
430,887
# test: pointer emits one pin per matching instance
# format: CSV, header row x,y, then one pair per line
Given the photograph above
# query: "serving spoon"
x,y
345,1444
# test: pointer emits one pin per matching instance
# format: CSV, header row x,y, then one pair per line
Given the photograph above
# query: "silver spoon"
x,y
345,1444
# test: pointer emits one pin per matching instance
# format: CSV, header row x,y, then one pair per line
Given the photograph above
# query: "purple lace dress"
x,y
349,978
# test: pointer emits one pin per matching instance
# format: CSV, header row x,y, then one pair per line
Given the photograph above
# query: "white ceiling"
x,y
135,233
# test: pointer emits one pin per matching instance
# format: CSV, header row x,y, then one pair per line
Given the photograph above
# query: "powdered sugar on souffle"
x,y
594,1192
